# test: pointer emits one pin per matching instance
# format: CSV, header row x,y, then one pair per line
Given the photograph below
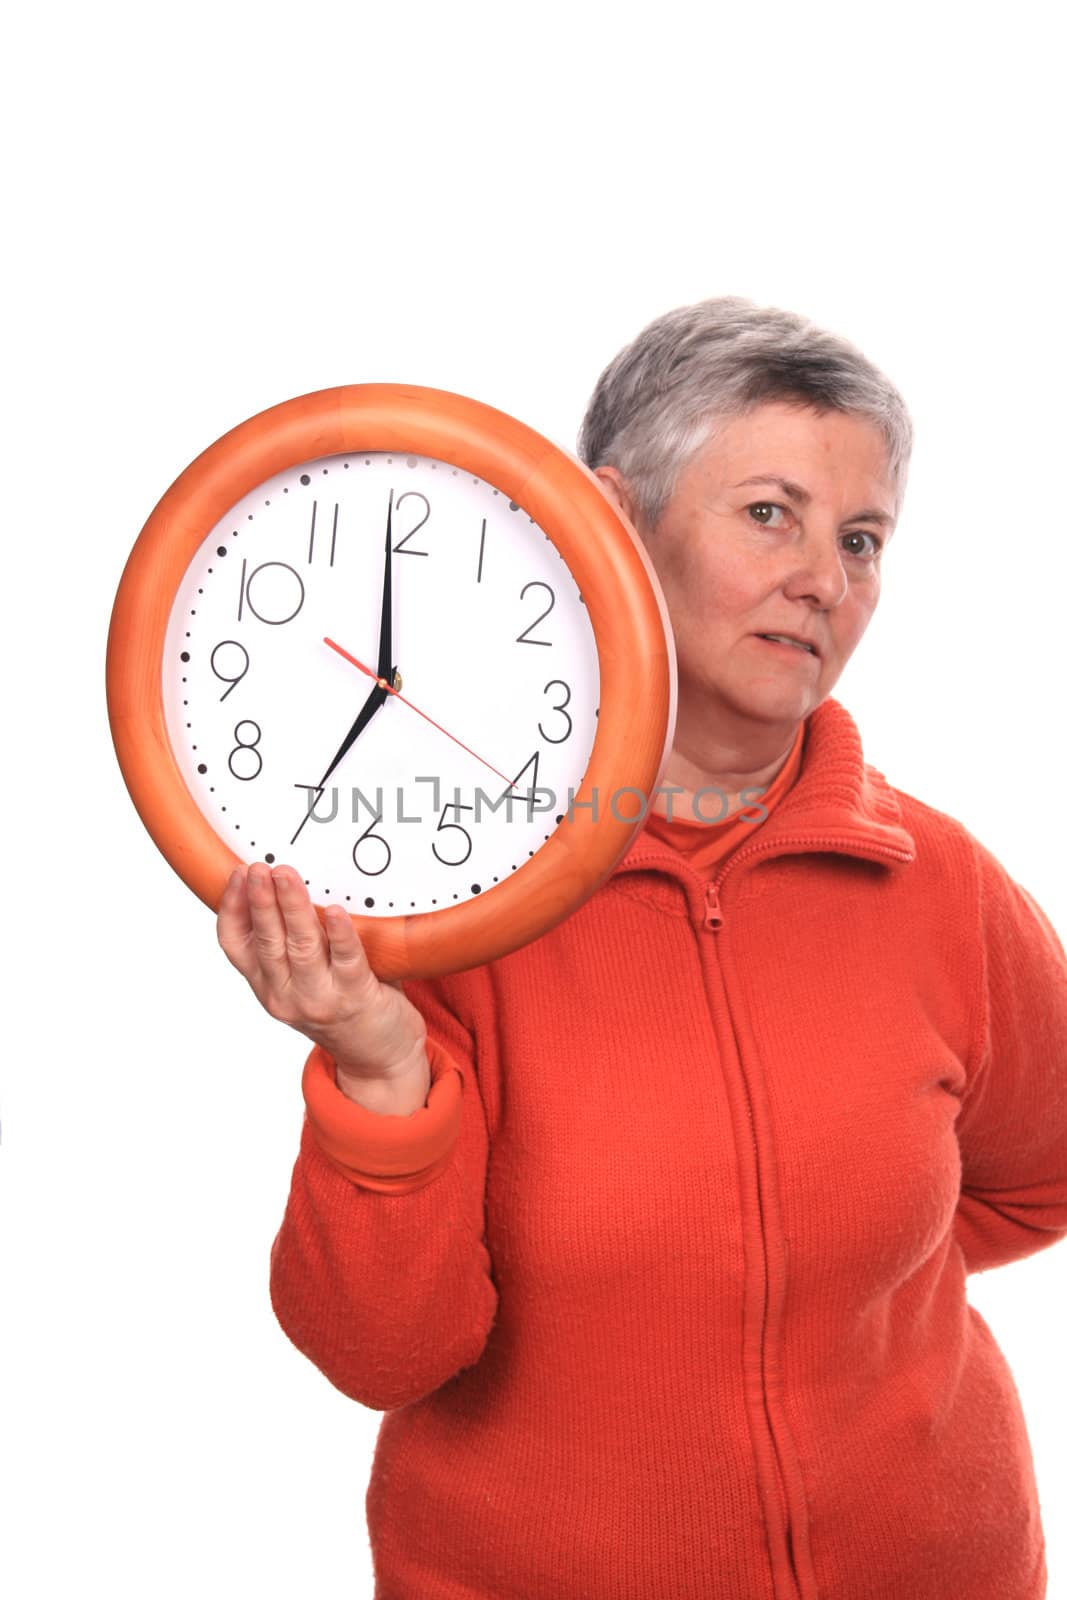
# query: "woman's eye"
x,y
756,510
861,533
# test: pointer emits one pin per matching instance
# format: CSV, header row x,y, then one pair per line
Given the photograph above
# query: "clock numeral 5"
x,y
457,827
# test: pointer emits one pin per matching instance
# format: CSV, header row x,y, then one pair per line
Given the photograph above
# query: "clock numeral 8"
x,y
250,746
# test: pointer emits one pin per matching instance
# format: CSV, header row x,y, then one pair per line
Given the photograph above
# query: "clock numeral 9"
x,y
522,637
559,708
225,677
250,746
368,839
456,827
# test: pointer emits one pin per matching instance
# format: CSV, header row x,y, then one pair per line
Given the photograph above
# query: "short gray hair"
x,y
694,369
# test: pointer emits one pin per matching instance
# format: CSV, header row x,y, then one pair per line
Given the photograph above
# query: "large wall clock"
x,y
397,639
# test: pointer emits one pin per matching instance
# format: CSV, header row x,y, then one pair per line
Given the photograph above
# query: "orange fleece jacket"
x,y
664,1291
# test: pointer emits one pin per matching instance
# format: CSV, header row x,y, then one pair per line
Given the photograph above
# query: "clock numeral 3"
x,y
559,708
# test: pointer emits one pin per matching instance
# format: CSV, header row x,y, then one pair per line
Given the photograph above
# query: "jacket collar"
x,y
837,803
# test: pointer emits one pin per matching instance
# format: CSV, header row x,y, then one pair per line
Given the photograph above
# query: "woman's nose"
x,y
818,572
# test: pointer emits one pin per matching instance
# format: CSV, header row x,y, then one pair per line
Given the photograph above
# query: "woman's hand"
x,y
319,983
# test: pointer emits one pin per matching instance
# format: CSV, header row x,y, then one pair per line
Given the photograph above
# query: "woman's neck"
x,y
726,769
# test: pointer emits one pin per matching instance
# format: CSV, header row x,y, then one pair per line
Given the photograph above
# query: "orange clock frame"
x,y
635,645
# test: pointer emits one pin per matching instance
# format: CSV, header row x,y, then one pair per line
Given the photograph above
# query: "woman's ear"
x,y
619,492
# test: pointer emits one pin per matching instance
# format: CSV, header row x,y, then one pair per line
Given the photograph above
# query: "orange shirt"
x,y
664,1291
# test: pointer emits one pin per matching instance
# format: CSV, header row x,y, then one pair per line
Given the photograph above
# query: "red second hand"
x,y
384,685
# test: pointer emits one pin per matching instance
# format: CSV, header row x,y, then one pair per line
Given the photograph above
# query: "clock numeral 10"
x,y
278,598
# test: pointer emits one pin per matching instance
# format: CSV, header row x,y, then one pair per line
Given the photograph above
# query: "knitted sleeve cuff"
x,y
384,1153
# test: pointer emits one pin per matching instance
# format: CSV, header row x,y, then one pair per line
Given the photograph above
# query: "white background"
x,y
210,208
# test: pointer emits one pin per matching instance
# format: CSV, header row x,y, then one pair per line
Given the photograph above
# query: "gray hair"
x,y
693,370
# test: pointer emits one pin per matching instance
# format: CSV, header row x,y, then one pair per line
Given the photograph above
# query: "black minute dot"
x,y
185,655
268,857
201,767
304,478
559,819
476,888
513,505
369,901
221,551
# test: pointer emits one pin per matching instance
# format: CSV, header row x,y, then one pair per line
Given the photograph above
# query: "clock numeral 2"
x,y
401,548
523,637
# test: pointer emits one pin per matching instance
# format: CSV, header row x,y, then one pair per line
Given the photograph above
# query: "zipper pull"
x,y
713,917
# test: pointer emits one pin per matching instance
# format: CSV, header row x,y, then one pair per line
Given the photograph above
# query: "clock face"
x,y
479,745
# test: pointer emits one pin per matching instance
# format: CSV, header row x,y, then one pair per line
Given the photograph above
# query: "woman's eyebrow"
x,y
801,495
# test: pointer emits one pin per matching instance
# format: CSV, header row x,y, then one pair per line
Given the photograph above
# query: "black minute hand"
x,y
374,701
385,632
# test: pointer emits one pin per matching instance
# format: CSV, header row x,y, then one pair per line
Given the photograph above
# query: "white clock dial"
x,y
498,694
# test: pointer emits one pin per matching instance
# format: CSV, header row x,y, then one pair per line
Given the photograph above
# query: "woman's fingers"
x,y
305,946
268,928
234,927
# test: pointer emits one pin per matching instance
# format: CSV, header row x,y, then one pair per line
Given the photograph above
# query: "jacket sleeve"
x,y
1012,1124
380,1273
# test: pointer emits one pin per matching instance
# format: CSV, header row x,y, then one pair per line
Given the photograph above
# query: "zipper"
x,y
713,912
714,920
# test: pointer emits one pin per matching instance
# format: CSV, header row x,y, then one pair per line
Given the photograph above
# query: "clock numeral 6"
x,y
456,827
248,745
368,839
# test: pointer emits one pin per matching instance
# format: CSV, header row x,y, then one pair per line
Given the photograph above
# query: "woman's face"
x,y
775,526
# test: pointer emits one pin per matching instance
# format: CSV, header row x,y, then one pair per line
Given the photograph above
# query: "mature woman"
x,y
651,1239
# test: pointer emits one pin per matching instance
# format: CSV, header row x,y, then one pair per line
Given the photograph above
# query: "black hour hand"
x,y
385,632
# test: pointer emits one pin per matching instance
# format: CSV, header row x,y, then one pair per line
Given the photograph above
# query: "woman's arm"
x,y
379,1273
1012,1125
